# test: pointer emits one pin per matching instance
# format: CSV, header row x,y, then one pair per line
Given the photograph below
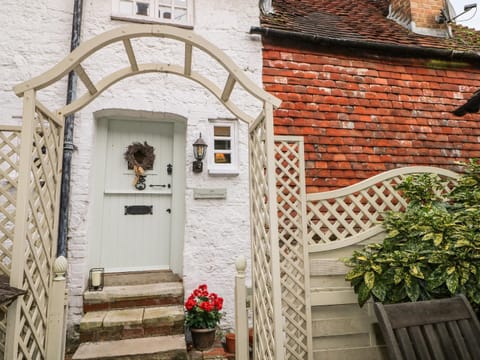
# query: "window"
x,y
223,156
162,11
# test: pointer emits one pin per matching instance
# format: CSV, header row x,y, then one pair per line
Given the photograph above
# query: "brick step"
x,y
131,323
127,296
149,348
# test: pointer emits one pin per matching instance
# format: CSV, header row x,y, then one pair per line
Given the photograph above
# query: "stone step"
x,y
140,277
150,348
131,323
126,296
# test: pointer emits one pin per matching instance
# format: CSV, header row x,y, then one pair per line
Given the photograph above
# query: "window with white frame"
x,y
223,147
178,12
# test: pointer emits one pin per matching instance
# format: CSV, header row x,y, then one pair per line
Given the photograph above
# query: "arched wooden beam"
x,y
188,37
115,77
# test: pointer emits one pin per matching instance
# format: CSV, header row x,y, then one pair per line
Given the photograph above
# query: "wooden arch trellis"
x,y
278,331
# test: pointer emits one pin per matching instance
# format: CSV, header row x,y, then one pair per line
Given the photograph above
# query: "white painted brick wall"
x,y
27,52
216,231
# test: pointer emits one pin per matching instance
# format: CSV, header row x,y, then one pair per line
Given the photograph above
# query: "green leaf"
x,y
437,240
363,294
436,278
413,290
369,279
399,276
392,233
415,271
464,276
408,280
379,291
452,283
462,243
377,268
436,258
428,236
354,273
398,294
474,295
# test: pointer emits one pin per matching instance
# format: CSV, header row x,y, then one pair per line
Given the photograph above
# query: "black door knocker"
x,y
140,183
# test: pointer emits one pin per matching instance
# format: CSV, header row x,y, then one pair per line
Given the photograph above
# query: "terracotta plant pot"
x,y
230,343
203,339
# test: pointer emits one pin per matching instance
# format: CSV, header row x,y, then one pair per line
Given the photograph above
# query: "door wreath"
x,y
140,157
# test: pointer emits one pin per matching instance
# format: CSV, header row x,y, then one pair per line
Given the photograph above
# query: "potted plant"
x,y
202,315
432,249
230,342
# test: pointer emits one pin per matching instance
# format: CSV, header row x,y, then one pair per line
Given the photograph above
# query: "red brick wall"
x,y
425,11
422,12
361,116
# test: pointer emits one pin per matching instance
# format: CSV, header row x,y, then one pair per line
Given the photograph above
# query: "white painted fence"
x,y
300,253
29,196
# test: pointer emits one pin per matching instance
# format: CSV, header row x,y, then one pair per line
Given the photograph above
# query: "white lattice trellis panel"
x,y
293,270
9,147
41,198
346,213
262,251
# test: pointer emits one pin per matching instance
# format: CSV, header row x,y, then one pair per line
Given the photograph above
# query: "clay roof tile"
x,y
361,20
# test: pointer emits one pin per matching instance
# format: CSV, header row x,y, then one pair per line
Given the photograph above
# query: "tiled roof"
x,y
361,21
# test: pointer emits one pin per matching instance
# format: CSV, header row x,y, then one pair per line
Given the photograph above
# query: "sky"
x,y
471,18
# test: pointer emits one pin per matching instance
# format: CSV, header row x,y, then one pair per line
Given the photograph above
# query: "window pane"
x,y
221,131
142,8
125,7
164,12
221,158
182,3
180,15
222,145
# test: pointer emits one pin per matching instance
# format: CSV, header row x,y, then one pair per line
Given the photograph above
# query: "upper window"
x,y
223,147
166,11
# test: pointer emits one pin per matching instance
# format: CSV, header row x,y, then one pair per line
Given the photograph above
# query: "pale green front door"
x,y
134,227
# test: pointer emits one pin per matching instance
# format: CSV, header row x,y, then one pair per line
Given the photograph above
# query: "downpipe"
x,y
68,146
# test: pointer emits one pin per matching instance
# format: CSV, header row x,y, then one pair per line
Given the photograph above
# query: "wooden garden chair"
x,y
445,329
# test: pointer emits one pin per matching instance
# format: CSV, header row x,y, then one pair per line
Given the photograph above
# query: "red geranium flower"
x,y
203,308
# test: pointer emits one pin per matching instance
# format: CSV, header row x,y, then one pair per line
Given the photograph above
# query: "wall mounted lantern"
x,y
199,150
96,279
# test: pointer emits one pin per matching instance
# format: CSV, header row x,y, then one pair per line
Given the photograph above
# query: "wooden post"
x,y
278,316
241,321
56,312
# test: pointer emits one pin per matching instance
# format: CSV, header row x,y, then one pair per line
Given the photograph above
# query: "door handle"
x,y
169,211
161,185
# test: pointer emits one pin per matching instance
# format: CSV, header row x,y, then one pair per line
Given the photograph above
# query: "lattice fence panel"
x,y
264,348
9,148
40,235
291,202
345,213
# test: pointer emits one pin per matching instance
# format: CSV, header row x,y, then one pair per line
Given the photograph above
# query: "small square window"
x,y
142,8
223,147
163,11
